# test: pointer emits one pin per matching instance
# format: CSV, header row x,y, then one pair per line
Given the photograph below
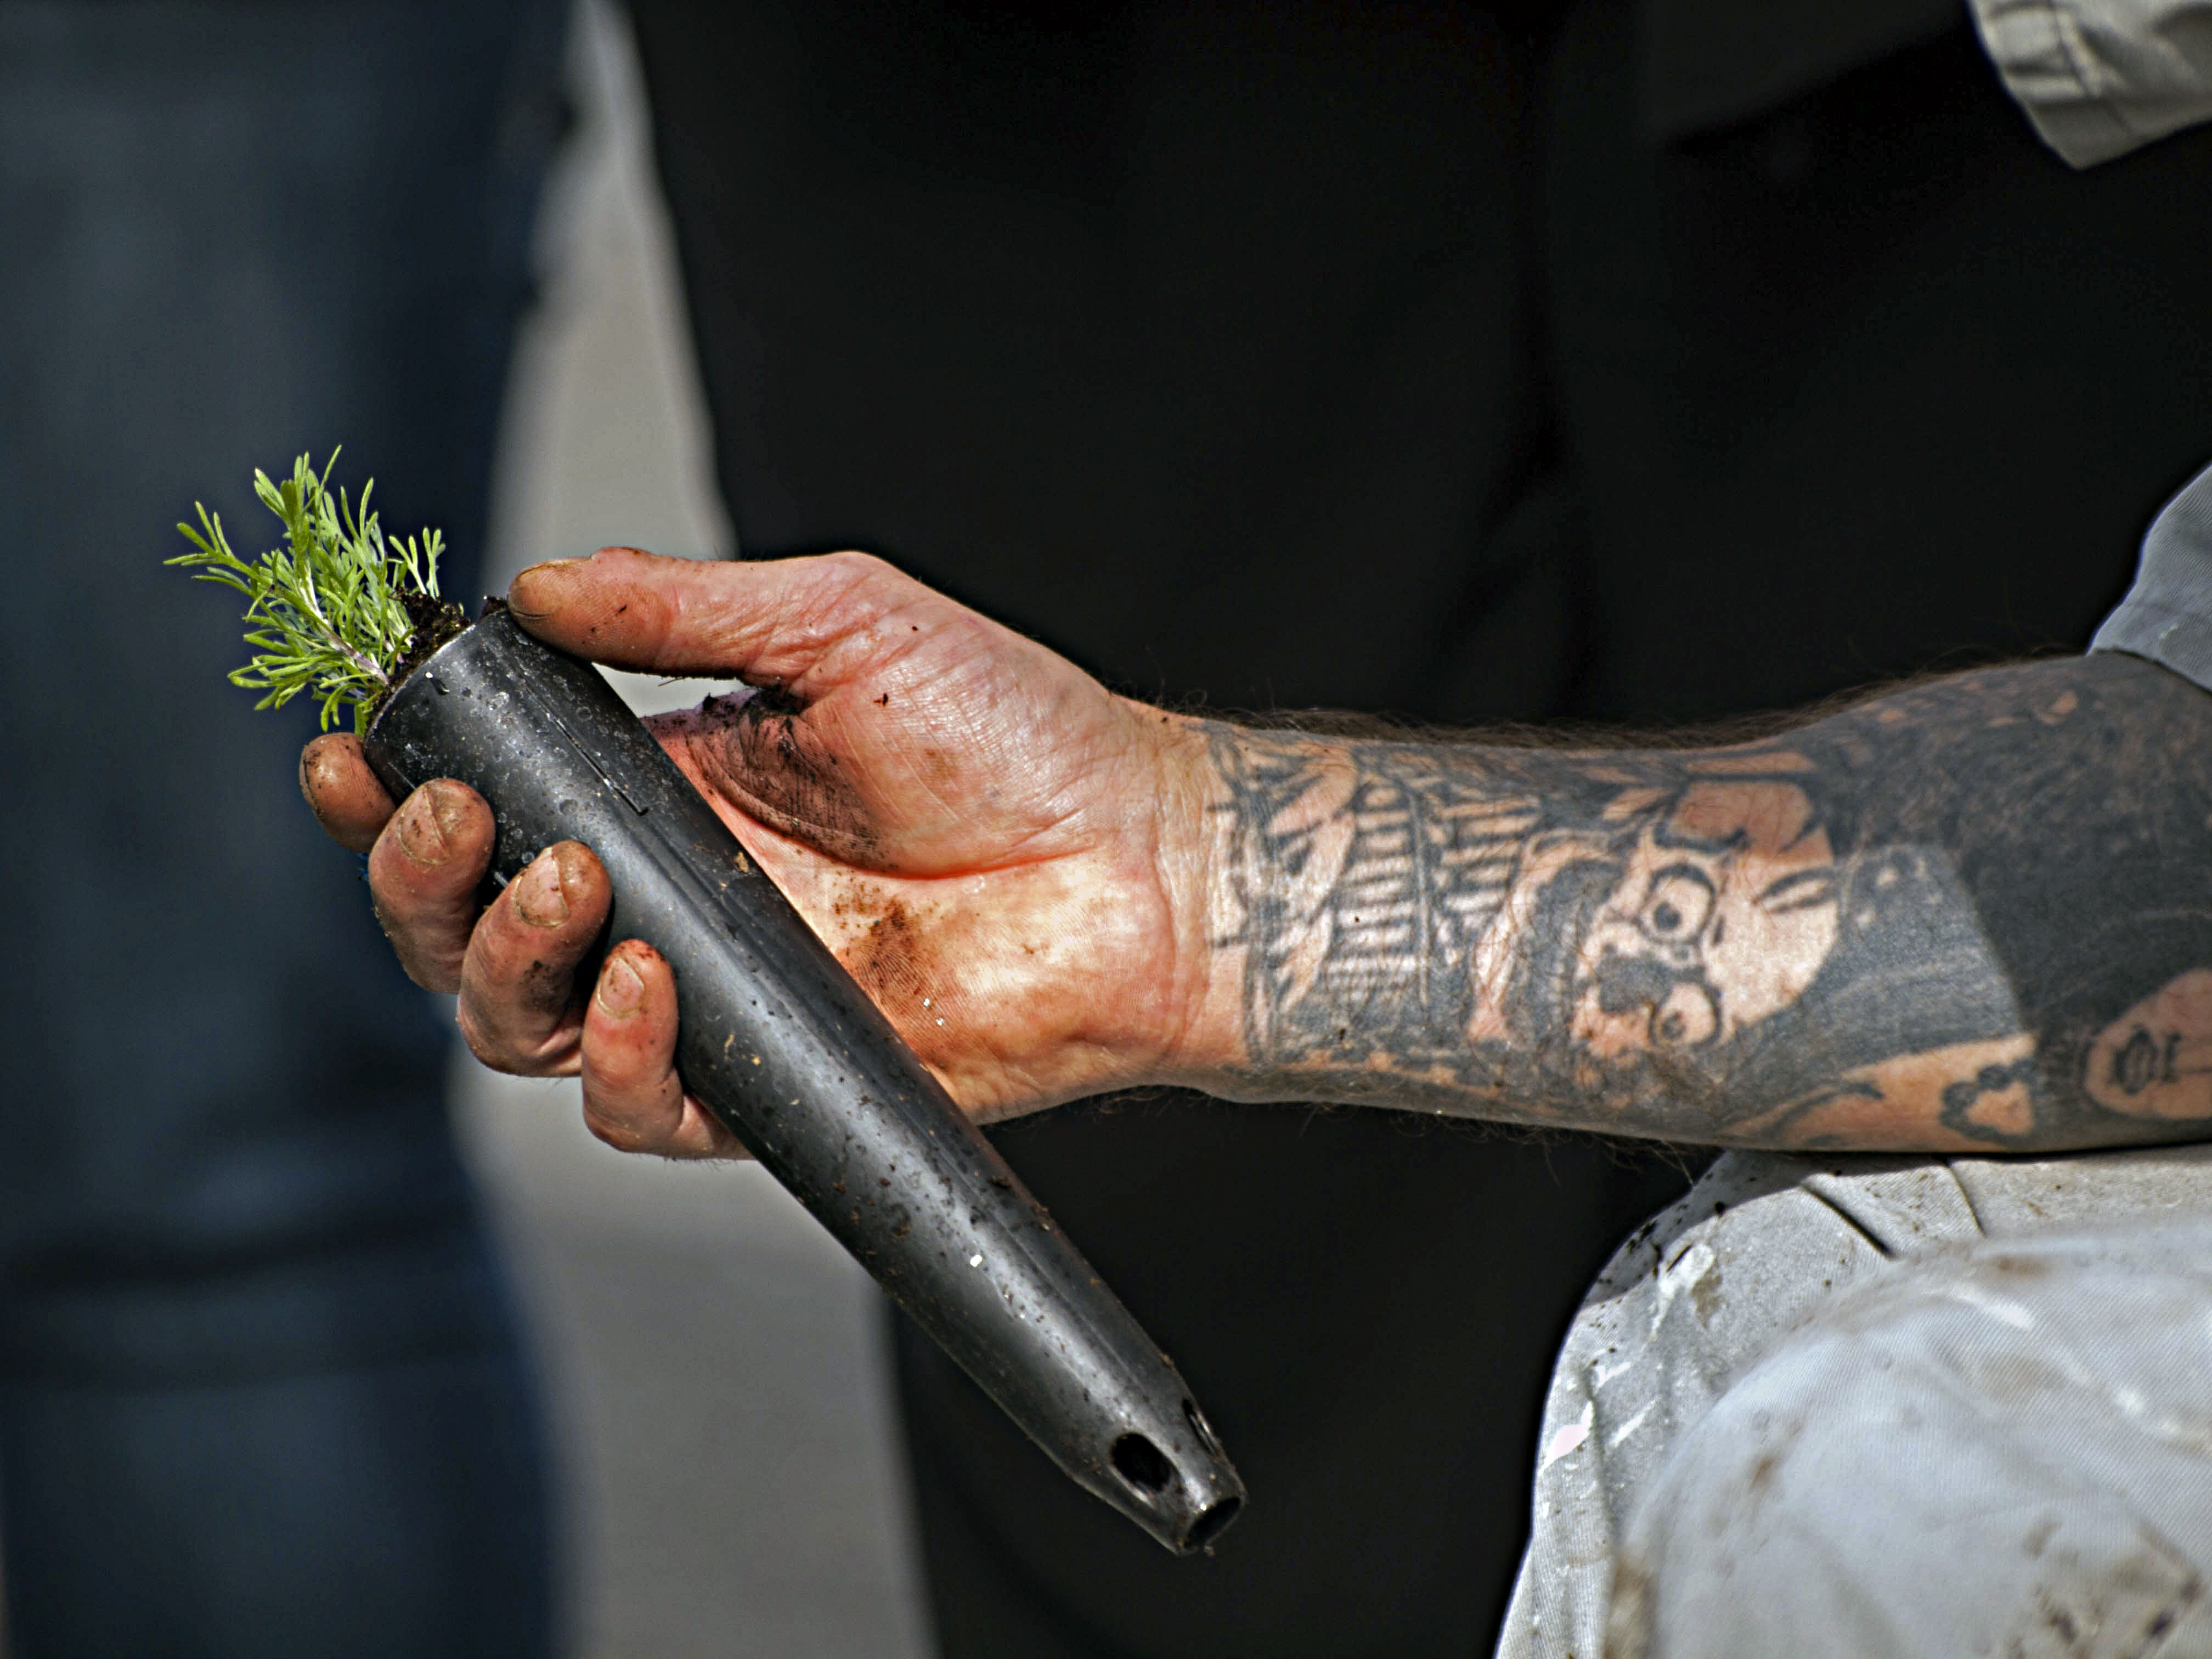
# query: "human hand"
x,y
1007,857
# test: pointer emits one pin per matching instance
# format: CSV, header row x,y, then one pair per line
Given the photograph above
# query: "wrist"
x,y
1203,1041
1214,892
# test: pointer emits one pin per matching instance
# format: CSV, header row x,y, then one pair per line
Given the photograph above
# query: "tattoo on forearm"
x,y
1377,869
1976,912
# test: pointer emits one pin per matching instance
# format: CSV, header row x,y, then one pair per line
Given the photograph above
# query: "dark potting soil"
x,y
435,623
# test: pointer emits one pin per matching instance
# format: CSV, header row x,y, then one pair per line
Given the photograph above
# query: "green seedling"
x,y
339,610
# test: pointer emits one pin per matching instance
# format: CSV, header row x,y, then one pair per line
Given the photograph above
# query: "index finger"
x,y
343,793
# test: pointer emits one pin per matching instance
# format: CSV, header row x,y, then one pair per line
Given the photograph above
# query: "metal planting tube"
x,y
782,1045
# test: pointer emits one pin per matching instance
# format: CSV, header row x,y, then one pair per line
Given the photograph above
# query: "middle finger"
x,y
519,1008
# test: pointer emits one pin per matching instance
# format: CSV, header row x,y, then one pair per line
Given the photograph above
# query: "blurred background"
x,y
715,1366
276,1375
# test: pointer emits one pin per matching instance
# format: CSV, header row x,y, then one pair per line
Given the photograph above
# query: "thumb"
x,y
778,620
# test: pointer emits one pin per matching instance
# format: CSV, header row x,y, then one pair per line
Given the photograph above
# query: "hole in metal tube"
x,y
1200,1427
1210,1524
1142,1464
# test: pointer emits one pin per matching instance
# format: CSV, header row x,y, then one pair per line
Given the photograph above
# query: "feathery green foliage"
x,y
328,613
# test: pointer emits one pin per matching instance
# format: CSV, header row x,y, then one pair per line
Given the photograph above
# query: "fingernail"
x,y
620,988
538,898
423,828
451,807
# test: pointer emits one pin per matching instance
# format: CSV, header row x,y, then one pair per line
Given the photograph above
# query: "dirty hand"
x,y
1004,854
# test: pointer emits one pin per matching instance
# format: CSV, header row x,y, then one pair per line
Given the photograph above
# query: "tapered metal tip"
x,y
1175,1482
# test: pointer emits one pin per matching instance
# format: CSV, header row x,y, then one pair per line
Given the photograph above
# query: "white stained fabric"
x,y
2101,77
1836,1409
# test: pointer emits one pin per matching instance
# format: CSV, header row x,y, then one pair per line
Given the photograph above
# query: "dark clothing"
x,y
260,1388
1705,63
1439,359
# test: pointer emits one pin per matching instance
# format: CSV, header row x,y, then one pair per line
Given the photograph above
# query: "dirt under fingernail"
x,y
451,807
422,831
538,896
621,990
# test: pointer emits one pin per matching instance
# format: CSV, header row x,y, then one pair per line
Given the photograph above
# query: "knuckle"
x,y
527,1048
422,961
407,884
532,988
615,1130
433,975
483,1040
852,590
854,566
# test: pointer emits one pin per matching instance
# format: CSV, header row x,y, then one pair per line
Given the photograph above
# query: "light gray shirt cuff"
x,y
2167,614
2100,78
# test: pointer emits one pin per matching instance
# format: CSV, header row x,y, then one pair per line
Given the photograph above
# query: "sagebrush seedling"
x,y
336,609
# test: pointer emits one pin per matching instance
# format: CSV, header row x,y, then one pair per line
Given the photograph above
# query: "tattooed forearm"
x,y
1977,913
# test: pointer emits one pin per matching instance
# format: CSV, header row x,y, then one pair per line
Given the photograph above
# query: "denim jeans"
x,y
261,1390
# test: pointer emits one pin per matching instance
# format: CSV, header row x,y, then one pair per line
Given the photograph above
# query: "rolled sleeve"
x,y
2167,614
2101,77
